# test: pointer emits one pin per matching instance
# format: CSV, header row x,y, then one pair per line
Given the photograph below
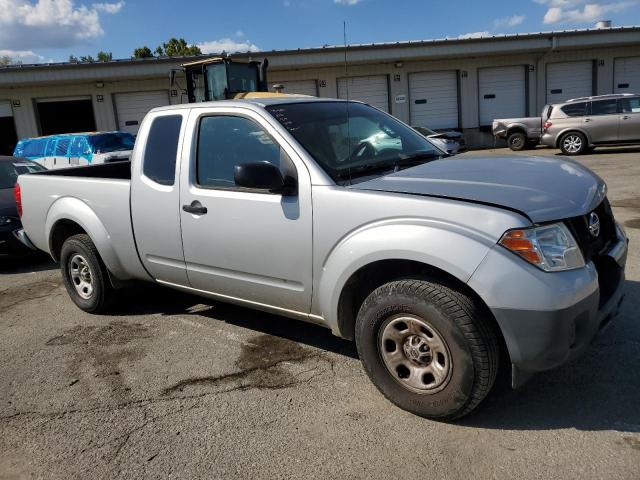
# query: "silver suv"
x,y
581,124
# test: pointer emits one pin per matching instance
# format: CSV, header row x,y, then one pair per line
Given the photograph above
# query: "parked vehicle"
x,y
581,124
75,149
437,267
520,133
10,226
451,142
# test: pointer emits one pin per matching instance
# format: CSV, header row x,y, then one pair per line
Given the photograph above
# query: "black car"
x,y
10,168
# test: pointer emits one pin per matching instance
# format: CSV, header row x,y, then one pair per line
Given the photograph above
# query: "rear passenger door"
x,y
629,120
155,196
602,121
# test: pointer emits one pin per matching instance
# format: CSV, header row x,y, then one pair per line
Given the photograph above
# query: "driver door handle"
x,y
195,208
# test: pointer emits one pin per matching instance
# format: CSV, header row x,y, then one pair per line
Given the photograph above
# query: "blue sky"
x,y
51,30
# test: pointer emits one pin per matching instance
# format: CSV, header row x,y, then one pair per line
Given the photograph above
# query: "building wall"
x,y
327,78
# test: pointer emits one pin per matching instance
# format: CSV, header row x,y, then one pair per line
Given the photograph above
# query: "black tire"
x,y
100,297
573,143
453,317
517,141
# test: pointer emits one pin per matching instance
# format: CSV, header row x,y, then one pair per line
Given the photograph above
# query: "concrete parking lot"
x,y
172,385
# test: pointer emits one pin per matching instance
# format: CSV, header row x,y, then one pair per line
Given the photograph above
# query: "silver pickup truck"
x,y
519,133
440,268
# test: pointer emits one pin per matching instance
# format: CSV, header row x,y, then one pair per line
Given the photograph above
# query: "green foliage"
x,y
87,58
104,56
142,52
177,47
73,59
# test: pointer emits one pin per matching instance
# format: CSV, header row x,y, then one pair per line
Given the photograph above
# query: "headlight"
x,y
6,220
549,247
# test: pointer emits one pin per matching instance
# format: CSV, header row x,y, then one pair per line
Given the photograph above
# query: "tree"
x,y
177,47
73,59
87,58
7,60
104,56
142,52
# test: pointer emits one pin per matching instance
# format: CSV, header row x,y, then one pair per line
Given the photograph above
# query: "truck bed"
x,y
96,198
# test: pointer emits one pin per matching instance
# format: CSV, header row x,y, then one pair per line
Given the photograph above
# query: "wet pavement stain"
x,y
632,442
263,364
633,223
13,296
103,349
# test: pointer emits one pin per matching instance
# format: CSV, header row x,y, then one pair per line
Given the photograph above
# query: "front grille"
x,y
594,249
594,246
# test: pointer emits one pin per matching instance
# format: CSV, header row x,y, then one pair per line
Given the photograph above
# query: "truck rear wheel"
x,y
427,348
85,276
517,141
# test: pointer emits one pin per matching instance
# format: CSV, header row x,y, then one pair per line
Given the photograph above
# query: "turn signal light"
x,y
517,242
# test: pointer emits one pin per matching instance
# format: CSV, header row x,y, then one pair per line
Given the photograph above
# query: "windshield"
x,y
369,143
10,170
111,142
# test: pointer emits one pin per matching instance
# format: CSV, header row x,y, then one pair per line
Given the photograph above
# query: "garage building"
x,y
449,83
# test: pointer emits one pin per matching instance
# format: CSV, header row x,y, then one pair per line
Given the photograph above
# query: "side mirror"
x,y
263,176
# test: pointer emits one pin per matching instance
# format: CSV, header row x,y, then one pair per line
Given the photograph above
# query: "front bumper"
x,y
548,319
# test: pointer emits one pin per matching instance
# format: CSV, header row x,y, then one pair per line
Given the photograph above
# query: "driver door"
x,y
244,245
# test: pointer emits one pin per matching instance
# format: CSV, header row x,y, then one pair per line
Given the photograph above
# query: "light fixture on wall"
x,y
99,85
398,64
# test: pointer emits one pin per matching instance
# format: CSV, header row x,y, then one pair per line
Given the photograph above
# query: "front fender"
x,y
454,249
75,210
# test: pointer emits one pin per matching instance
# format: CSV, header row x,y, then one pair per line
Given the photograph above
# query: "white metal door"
x,y
5,109
502,92
301,87
626,75
569,80
433,99
373,90
132,107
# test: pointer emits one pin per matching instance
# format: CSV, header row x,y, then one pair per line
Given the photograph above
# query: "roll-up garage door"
x,y
8,137
132,107
569,80
626,75
433,99
301,87
502,92
373,90
65,115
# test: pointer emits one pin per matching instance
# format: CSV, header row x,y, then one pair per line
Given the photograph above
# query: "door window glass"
x,y
604,107
159,163
575,109
224,142
630,105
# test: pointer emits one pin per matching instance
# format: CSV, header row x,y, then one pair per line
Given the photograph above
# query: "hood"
x,y
450,135
541,188
8,202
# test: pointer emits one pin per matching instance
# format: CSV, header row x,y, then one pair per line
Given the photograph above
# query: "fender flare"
x,y
422,241
77,211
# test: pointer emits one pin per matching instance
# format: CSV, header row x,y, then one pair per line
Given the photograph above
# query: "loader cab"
x,y
222,78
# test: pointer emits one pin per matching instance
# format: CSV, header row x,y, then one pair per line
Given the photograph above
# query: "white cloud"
x,y
27,24
510,22
580,12
475,35
347,2
239,33
24,56
109,7
227,45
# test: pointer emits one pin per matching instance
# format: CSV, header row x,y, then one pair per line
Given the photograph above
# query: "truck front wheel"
x,y
427,347
85,276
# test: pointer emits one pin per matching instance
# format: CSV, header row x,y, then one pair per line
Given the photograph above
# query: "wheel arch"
x,y
70,216
572,130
